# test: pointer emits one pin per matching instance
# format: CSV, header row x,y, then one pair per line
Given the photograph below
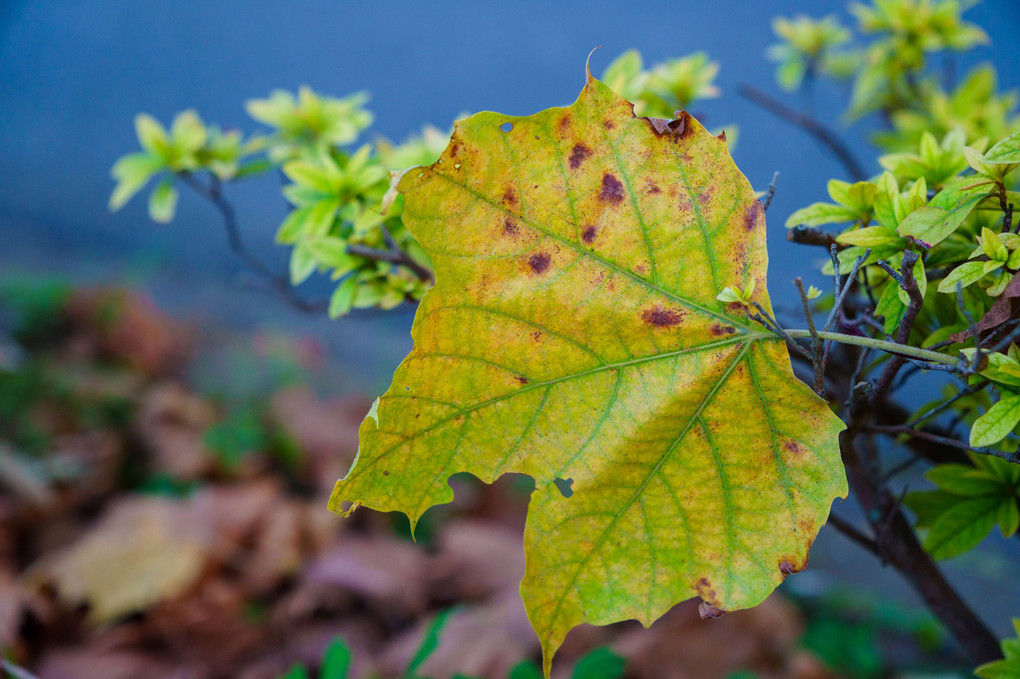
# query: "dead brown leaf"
x,y
139,553
326,430
476,559
125,325
682,646
484,641
389,573
171,423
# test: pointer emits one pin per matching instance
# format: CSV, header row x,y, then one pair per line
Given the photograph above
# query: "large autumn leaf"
x,y
573,334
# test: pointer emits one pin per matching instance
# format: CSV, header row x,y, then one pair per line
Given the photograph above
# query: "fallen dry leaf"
x,y
171,423
476,559
141,551
480,641
83,662
683,646
389,573
326,430
126,326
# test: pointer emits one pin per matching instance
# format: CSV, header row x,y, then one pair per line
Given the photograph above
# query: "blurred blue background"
x,y
73,75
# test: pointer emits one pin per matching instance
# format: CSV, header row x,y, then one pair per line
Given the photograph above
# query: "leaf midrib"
x,y
729,320
694,419
749,338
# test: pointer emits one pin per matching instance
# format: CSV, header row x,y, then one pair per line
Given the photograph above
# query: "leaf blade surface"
x,y
573,334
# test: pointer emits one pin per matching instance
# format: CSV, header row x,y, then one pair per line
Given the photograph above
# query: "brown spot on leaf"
x,y
521,380
608,124
653,188
536,335
510,226
794,448
539,262
612,189
454,149
721,136
704,198
564,124
704,589
385,472
578,155
589,233
662,317
719,330
510,197
752,215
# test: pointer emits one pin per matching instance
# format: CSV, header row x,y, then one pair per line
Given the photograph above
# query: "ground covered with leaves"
x,y
163,493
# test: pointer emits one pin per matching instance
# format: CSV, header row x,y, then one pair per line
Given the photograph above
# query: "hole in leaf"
x,y
506,127
564,486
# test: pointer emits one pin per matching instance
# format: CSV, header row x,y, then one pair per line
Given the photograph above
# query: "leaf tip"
x,y
587,65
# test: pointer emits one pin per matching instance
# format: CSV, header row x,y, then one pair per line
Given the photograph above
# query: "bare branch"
x,y
766,200
279,282
944,440
809,235
899,546
817,344
813,127
856,536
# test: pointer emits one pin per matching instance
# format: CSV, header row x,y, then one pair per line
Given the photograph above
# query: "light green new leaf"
x,y
997,423
132,173
1006,151
151,134
1009,666
869,236
942,216
817,214
574,335
163,202
966,274
342,299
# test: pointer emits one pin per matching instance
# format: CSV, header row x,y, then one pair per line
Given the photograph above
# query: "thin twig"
x,y
944,440
909,285
277,281
902,467
856,536
817,344
213,192
945,405
889,270
770,193
810,235
840,290
764,318
813,127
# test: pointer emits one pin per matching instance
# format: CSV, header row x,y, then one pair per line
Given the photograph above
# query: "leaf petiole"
x,y
871,343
